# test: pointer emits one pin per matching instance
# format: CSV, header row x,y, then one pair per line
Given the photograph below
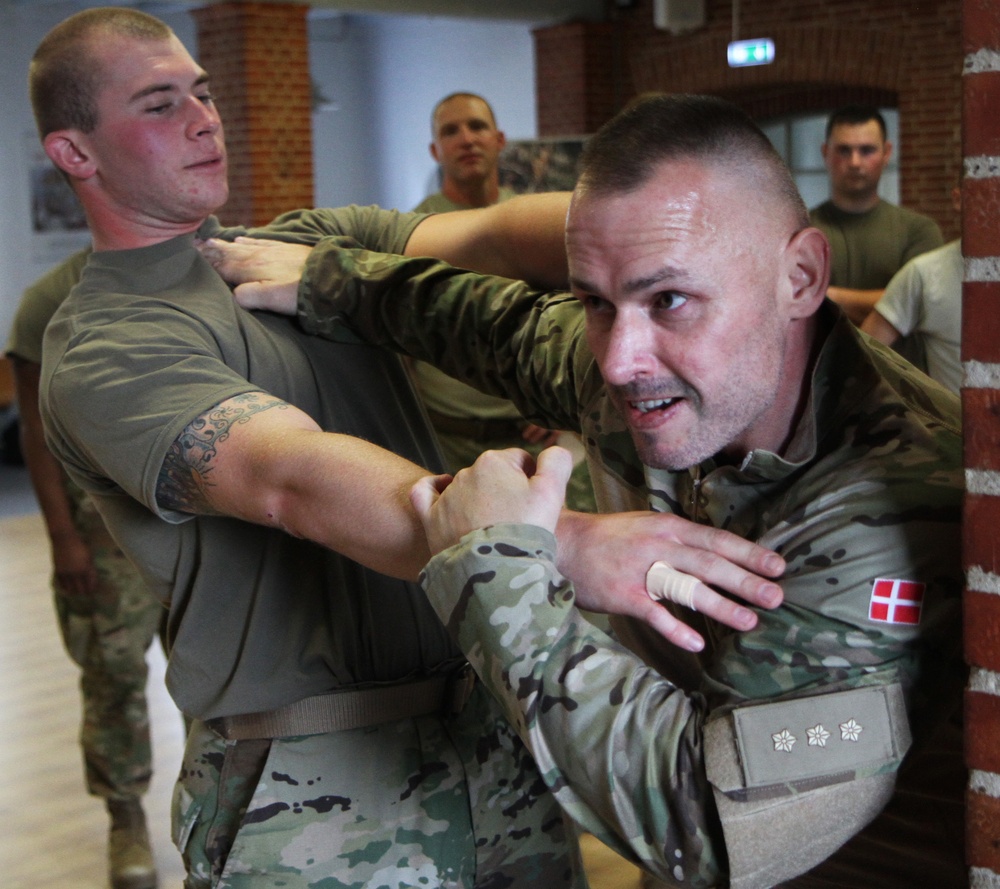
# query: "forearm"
x,y
615,741
877,326
259,459
479,329
522,238
45,472
855,303
348,495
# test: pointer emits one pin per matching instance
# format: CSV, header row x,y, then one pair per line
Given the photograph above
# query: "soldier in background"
x,y
107,615
467,145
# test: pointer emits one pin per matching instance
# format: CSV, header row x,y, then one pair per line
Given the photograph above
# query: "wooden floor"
x,y
53,835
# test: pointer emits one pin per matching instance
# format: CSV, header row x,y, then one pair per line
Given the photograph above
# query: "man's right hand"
x,y
73,565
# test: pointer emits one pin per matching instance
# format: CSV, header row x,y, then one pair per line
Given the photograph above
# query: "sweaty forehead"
x,y
683,196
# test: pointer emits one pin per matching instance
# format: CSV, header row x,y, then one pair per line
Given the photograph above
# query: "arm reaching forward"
x,y
258,458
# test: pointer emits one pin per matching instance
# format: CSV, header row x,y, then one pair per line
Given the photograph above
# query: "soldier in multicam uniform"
x,y
336,739
107,616
711,380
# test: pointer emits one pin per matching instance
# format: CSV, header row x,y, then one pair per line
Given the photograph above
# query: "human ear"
x,y
807,266
68,150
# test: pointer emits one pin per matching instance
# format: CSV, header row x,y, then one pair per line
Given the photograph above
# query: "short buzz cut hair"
x,y
853,115
625,153
461,94
63,78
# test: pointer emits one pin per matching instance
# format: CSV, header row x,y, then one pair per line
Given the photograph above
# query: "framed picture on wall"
x,y
58,223
535,165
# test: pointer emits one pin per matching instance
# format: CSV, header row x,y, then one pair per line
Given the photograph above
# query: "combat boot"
x,y
130,858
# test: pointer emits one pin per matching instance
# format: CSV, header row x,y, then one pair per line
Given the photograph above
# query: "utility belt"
x,y
484,429
349,708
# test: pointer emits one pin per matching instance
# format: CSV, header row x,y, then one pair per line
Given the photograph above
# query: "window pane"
x,y
807,137
777,132
814,187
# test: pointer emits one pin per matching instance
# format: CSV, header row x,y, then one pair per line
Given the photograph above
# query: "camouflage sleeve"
x,y
619,745
498,335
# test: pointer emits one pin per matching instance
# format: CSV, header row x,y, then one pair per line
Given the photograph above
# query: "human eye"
x,y
592,303
669,300
206,99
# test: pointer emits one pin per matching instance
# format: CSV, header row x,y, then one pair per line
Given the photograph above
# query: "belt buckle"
x,y
459,690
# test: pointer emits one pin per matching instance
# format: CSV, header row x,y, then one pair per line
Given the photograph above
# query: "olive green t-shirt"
x,y
151,339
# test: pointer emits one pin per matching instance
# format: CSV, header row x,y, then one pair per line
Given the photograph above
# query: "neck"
x,y
483,193
779,426
855,204
116,233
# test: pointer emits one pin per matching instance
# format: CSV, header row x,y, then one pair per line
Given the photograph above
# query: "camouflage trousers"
x,y
107,636
423,802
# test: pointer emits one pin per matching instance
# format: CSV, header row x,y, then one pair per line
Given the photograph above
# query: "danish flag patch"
x,y
896,601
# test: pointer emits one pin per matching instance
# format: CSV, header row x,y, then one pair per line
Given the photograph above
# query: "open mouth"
x,y
650,405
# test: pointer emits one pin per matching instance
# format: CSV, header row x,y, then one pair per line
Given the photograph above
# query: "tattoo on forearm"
x,y
187,469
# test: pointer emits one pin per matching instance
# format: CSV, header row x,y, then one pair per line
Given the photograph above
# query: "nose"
x,y
627,350
204,119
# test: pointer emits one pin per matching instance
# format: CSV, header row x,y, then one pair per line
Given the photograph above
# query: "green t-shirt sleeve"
x,y
925,236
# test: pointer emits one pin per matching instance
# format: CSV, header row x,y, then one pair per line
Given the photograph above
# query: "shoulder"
x,y
436,203
40,301
54,286
910,218
822,212
876,408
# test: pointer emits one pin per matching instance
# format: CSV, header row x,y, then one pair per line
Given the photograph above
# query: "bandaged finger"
x,y
666,582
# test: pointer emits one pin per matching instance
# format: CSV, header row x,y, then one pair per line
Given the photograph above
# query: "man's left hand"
x,y
266,274
500,487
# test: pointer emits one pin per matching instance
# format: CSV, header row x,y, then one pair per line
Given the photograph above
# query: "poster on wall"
x,y
535,165
58,224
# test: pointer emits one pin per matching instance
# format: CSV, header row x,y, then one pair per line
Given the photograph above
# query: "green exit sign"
x,y
750,52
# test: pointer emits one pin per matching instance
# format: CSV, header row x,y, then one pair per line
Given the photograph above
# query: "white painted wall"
x,y
384,74
381,74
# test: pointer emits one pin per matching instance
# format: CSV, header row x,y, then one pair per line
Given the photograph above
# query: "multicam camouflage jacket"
x,y
864,505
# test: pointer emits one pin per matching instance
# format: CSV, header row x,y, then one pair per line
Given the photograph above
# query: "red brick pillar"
x,y
981,410
257,55
574,73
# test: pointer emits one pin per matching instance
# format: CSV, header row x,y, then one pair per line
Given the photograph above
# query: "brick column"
x,y
257,55
981,410
575,73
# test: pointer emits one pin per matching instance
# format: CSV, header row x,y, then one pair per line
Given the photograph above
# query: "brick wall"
x,y
827,53
981,410
258,58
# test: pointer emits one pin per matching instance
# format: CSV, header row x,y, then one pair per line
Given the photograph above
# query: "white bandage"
x,y
664,582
